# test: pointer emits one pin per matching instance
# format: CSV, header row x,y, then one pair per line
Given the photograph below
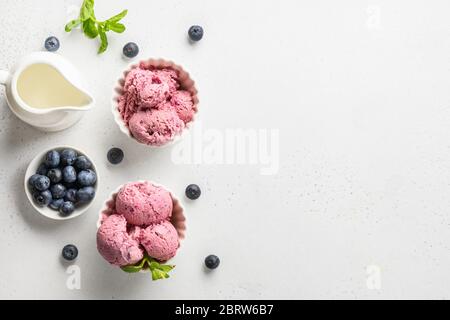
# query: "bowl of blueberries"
x,y
61,183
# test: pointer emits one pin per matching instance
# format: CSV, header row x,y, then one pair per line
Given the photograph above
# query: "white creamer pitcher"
x,y
46,91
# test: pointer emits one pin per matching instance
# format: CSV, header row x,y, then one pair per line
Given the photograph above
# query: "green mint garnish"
x,y
158,270
93,28
134,268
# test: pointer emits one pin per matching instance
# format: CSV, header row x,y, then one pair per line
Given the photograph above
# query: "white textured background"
x,y
360,93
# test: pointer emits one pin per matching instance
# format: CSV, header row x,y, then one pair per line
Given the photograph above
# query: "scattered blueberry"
x,y
195,33
83,163
68,157
130,50
42,169
85,194
71,195
58,191
33,179
41,183
69,252
115,155
43,198
56,204
52,159
86,178
51,44
69,174
193,191
212,261
66,208
55,175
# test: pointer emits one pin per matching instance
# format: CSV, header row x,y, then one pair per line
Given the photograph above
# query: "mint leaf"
x,y
159,271
72,24
116,27
118,17
103,38
131,269
90,28
166,267
86,10
158,274
134,268
93,28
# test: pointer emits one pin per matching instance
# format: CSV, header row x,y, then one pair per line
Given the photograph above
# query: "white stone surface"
x,y
359,91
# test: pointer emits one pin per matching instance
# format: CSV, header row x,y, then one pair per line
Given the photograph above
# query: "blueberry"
x,y
33,179
41,183
71,195
71,185
86,178
66,208
69,174
85,194
115,155
69,252
130,50
43,198
56,204
68,157
195,33
52,159
55,175
40,201
58,191
42,169
47,196
193,191
33,190
83,163
51,44
212,261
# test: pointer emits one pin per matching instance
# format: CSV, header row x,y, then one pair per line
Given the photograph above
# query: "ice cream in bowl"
x,y
140,228
155,102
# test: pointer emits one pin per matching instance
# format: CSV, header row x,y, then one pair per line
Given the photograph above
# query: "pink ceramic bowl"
x,y
178,219
186,83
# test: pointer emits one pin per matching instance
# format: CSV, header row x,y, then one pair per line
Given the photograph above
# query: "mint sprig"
x,y
134,268
93,28
158,270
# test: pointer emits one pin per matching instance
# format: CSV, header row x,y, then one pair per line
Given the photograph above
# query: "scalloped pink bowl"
x,y
186,83
178,218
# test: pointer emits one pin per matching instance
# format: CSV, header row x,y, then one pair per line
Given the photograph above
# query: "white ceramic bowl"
x,y
46,211
178,218
186,83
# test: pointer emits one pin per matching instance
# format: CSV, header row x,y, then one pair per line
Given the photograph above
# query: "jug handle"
x,y
4,77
